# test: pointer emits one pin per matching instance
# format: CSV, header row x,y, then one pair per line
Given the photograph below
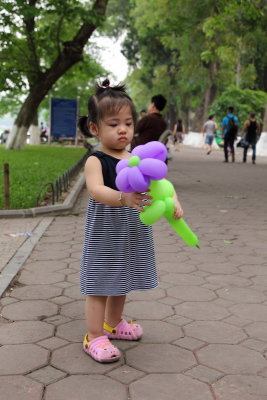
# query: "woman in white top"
x,y
209,129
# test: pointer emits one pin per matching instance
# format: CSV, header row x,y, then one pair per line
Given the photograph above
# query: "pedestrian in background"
x,y
250,133
229,131
209,131
118,254
178,134
151,126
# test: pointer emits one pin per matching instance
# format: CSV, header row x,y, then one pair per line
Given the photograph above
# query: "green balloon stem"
x,y
183,230
163,205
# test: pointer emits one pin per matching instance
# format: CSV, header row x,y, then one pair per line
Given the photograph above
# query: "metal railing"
x,y
62,183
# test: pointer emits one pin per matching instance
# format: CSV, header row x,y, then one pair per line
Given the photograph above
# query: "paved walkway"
x,y
205,325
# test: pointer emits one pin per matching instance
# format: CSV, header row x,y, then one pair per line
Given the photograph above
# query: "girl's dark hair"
x,y
106,101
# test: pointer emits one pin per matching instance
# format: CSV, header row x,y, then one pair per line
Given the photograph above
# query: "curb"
x,y
55,209
16,262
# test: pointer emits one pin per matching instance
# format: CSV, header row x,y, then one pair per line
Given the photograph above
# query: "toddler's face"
x,y
116,131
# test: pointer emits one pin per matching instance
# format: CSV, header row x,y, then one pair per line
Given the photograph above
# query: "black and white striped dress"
x,y
118,254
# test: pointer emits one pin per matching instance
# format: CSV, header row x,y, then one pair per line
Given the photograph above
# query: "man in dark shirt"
x,y
152,125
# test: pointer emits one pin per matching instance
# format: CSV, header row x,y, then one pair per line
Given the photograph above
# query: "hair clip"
x,y
106,84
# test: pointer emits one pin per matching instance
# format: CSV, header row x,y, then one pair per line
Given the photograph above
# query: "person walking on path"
x,y
250,134
209,129
178,134
118,254
229,130
151,126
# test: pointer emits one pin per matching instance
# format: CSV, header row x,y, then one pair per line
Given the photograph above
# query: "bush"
x,y
244,101
30,168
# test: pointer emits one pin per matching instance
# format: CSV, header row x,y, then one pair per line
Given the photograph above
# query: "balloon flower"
x,y
144,170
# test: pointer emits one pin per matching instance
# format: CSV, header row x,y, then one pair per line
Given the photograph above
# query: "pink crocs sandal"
x,y
124,330
101,350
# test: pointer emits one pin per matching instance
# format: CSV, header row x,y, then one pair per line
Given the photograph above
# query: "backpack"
x,y
232,127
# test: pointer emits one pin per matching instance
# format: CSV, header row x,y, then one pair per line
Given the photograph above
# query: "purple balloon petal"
x,y
154,169
122,181
137,180
151,150
137,150
122,164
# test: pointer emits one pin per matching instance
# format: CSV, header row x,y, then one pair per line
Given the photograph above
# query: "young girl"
x,y
118,254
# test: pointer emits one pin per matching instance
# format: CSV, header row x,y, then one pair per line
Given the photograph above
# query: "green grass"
x,y
30,168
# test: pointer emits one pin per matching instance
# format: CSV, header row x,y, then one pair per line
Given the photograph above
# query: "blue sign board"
x,y
63,117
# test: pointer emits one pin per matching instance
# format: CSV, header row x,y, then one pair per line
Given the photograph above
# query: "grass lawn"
x,y
32,167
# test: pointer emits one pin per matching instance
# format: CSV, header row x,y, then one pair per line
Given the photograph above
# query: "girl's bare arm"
x,y
110,197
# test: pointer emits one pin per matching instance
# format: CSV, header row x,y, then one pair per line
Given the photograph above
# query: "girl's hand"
x,y
136,200
178,211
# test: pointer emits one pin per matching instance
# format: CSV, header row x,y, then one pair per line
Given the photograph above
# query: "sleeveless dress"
x,y
118,254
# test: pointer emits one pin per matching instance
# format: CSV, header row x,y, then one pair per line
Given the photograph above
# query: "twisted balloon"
x,y
144,170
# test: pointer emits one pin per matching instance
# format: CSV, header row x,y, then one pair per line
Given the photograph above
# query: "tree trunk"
x,y
207,99
35,132
70,55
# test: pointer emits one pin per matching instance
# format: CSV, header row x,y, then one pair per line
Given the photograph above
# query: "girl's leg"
x,y
114,309
95,314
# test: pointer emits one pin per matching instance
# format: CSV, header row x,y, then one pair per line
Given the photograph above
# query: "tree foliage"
x,y
40,41
192,51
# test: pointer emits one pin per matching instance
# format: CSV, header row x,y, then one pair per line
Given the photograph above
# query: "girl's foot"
x,y
124,330
101,349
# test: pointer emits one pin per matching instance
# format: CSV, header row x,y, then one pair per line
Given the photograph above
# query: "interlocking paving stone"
x,y
126,374
29,310
257,330
160,332
74,292
50,255
48,266
147,310
86,387
47,375
252,312
204,374
7,300
201,310
169,387
73,330
146,294
183,279
38,277
241,295
179,267
178,320
52,343
189,343
229,280
20,359
231,359
252,270
32,292
160,358
170,301
20,388
74,309
191,293
57,320
254,344
215,332
241,387
61,300
25,332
